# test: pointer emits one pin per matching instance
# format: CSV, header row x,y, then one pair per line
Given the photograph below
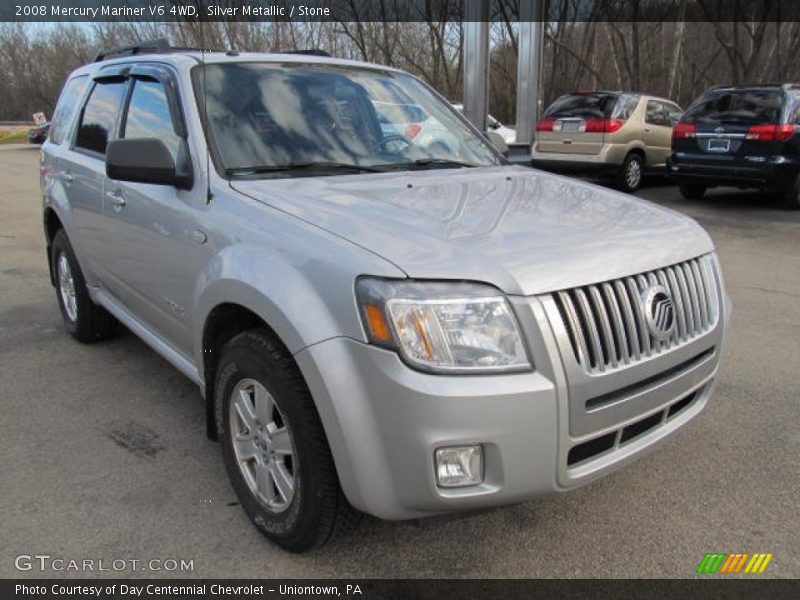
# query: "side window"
x,y
797,109
673,112
655,114
99,116
149,115
66,108
625,106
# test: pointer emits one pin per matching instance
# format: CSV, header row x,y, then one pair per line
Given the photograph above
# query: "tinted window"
x,y
585,106
99,116
736,106
625,106
149,115
673,112
66,108
655,114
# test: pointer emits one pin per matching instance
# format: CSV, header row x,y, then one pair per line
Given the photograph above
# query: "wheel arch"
x,y
222,323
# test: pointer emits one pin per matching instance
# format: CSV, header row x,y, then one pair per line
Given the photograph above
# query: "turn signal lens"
x,y
376,321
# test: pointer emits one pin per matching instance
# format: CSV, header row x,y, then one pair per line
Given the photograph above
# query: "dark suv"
x,y
745,136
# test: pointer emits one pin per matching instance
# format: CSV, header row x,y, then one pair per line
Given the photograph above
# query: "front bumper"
x,y
384,421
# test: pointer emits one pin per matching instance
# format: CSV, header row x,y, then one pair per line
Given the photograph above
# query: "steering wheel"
x,y
395,139
439,148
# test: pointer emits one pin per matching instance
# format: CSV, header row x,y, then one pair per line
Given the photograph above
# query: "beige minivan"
x,y
617,133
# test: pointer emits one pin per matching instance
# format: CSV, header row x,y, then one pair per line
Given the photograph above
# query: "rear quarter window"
x,y
736,106
625,106
66,108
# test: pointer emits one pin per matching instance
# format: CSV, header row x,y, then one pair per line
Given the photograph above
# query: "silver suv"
x,y
377,326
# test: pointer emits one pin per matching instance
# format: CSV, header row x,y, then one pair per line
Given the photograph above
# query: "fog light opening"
x,y
459,466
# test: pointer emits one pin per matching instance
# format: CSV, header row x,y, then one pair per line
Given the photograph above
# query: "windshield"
x,y
747,107
263,117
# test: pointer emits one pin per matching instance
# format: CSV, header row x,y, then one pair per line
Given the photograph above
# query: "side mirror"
x,y
143,160
498,142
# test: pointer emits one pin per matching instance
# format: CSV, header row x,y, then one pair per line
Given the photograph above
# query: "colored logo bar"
x,y
737,562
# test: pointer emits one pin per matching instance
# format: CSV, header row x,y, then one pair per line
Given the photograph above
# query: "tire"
x,y
790,197
632,172
83,319
692,191
315,511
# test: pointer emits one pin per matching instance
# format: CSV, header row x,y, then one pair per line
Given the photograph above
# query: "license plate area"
x,y
570,126
719,145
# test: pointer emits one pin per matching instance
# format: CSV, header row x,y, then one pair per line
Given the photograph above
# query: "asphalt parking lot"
x,y
104,454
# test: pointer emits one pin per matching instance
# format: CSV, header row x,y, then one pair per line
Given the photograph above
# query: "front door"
x,y
159,244
657,134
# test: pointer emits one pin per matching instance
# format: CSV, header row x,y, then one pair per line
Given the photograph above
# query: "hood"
x,y
525,231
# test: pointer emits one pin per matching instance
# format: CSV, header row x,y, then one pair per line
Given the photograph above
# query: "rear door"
x,y
734,126
56,182
82,170
576,123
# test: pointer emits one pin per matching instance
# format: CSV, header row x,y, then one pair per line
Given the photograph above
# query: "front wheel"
x,y
274,447
630,178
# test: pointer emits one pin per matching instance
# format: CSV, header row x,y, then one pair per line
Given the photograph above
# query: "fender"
x,y
304,303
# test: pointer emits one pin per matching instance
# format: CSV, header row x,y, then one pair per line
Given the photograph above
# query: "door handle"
x,y
68,177
116,198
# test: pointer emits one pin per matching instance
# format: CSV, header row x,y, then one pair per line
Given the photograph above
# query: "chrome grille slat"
x,y
630,324
693,291
633,296
701,296
588,318
574,325
617,323
606,324
676,297
607,339
687,304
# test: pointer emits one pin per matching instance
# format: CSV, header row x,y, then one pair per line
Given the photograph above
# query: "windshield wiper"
x,y
422,163
310,166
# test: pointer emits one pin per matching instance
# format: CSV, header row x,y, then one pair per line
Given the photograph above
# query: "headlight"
x,y
464,327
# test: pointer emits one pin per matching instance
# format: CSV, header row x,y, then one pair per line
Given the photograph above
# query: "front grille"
x,y
606,324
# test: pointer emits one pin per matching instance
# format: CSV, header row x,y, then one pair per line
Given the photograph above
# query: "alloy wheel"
x,y
66,286
262,444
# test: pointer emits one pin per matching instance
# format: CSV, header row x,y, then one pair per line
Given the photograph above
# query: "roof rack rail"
x,y
158,46
310,52
756,85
